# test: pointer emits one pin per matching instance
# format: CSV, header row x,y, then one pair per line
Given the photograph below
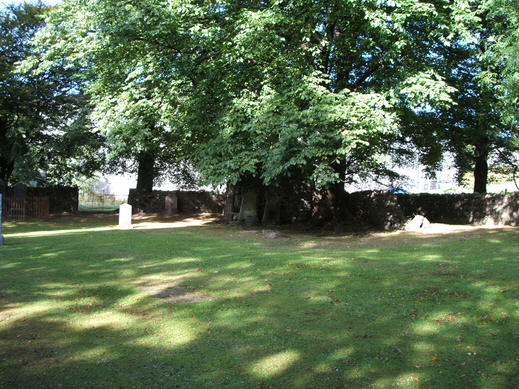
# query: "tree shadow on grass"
x,y
278,316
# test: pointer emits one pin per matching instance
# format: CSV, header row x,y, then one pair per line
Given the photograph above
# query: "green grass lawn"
x,y
86,305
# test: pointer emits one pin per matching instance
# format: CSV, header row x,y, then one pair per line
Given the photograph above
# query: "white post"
x,y
125,216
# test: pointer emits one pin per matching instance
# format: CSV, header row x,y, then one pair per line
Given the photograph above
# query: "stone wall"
x,y
387,210
61,198
379,209
186,202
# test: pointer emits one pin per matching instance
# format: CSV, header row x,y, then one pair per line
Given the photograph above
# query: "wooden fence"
x,y
21,208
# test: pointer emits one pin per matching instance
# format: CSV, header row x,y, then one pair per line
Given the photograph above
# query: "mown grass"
x,y
85,305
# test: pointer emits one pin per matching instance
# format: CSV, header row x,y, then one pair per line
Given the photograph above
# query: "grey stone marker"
x,y
248,212
1,236
272,213
171,204
125,216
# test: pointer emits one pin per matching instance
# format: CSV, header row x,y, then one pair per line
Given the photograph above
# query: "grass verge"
x,y
86,305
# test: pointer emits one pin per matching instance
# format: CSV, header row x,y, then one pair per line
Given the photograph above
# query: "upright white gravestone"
x,y
1,236
125,216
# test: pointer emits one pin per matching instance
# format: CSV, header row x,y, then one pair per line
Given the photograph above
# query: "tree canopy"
x,y
44,118
269,89
505,50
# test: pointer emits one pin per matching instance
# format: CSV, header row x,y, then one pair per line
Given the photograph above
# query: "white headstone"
x,y
125,216
1,236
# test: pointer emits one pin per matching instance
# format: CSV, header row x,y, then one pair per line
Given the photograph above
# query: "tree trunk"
x,y
333,206
272,212
481,166
6,169
6,166
339,195
146,171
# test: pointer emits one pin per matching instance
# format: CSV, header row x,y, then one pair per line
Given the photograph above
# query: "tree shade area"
x,y
87,305
261,93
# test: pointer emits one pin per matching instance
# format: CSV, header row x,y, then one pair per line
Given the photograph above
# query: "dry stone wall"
x,y
387,210
163,202
62,199
379,209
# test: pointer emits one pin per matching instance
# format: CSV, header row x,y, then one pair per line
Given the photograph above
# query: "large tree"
x,y
262,90
501,77
480,127
44,119
505,50
473,126
127,56
321,87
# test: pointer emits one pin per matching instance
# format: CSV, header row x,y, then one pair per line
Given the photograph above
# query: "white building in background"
x,y
416,182
419,182
414,179
121,184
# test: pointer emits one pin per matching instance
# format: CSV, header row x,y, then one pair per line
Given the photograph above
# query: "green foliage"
x,y
505,49
254,88
124,53
266,89
44,123
479,128
314,84
503,54
302,126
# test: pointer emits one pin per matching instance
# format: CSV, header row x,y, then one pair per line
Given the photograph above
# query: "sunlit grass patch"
x,y
275,364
